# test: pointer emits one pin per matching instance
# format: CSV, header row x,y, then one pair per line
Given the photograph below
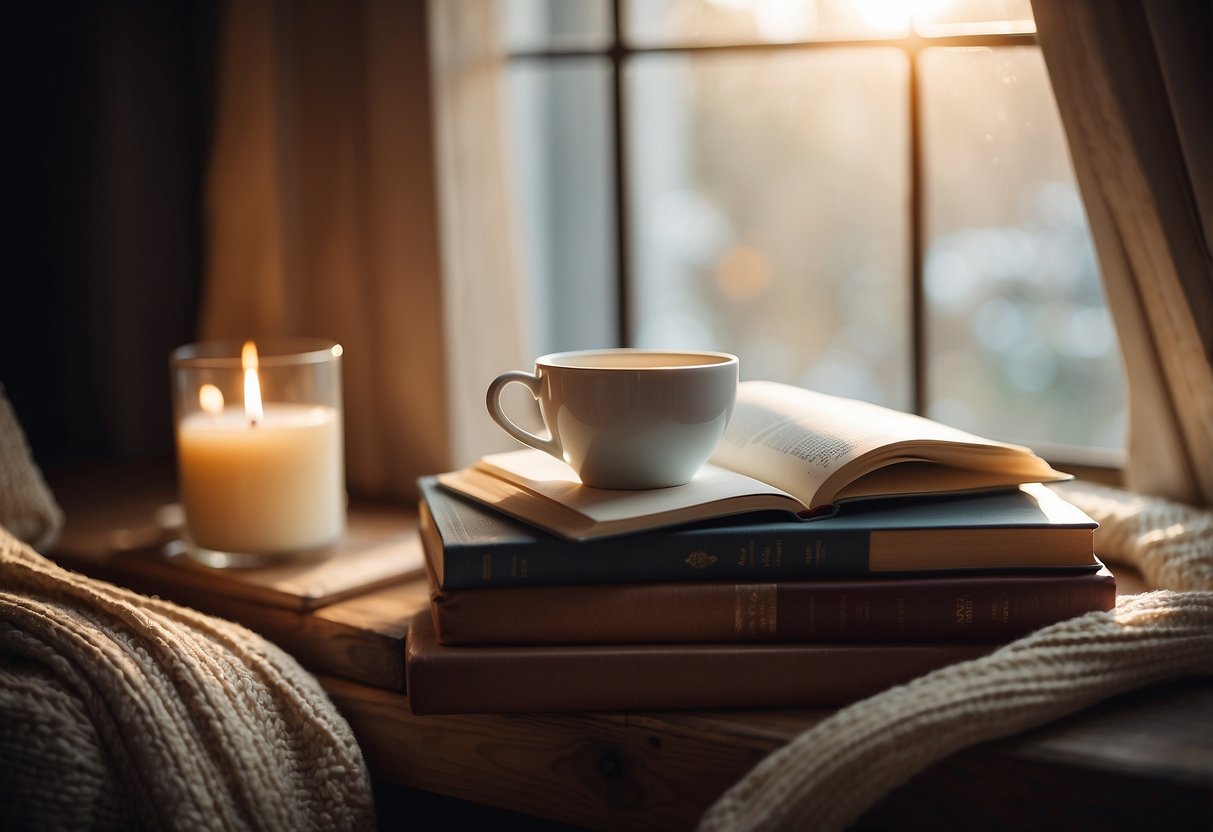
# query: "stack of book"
x,y
831,549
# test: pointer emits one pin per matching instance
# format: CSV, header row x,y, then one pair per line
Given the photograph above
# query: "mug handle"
x,y
493,400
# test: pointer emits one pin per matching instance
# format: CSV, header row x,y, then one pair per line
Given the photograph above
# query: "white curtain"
x,y
323,208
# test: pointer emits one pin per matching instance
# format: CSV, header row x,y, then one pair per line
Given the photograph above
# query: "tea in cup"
x,y
627,418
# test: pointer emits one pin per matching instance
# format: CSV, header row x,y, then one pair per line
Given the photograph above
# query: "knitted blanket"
x,y
27,508
122,711
826,778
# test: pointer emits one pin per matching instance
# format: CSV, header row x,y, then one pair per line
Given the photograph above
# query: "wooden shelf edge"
x,y
662,771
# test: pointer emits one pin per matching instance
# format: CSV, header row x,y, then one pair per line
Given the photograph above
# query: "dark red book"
x,y
978,608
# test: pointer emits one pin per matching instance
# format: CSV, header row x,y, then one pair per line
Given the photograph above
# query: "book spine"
x,y
756,554
501,679
977,609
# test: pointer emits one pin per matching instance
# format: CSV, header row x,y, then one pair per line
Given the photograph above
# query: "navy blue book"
x,y
1026,528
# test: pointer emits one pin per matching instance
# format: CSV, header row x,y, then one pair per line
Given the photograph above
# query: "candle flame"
x,y
210,399
252,384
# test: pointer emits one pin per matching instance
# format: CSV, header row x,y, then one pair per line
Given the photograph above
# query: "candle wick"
x,y
252,423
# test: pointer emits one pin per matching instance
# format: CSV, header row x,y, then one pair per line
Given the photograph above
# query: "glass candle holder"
x,y
260,459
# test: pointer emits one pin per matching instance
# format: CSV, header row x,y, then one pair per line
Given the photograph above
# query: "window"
x,y
868,197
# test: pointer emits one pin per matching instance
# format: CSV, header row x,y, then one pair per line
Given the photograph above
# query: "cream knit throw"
x,y
27,507
829,776
121,711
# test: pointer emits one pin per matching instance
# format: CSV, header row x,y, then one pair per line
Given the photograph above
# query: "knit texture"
x,y
1169,543
122,711
826,778
27,507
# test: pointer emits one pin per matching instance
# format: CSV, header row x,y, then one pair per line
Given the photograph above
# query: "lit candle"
x,y
261,477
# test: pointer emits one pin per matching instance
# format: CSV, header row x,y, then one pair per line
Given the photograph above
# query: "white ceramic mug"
x,y
627,418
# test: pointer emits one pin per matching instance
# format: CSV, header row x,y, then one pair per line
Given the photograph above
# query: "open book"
x,y
786,449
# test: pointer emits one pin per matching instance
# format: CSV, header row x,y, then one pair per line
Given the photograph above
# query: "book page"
x,y
539,489
800,440
546,475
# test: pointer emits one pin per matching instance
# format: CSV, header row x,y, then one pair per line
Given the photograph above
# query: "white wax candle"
x,y
276,486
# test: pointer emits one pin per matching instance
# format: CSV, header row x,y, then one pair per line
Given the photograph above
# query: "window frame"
x,y
1096,464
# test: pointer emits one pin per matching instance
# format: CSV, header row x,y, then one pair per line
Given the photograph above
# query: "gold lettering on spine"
x,y
964,611
745,555
755,611
862,611
815,553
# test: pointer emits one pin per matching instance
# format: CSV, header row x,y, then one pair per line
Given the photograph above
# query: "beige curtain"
x,y
1132,84
323,219
484,317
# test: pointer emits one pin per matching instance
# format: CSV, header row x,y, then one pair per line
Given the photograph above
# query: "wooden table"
x,y
1141,761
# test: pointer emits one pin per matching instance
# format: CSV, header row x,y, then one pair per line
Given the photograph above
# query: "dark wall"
x,y
108,118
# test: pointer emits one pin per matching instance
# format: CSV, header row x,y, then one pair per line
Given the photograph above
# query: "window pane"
x,y
685,22
768,200
763,21
541,24
974,17
561,152
1021,345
